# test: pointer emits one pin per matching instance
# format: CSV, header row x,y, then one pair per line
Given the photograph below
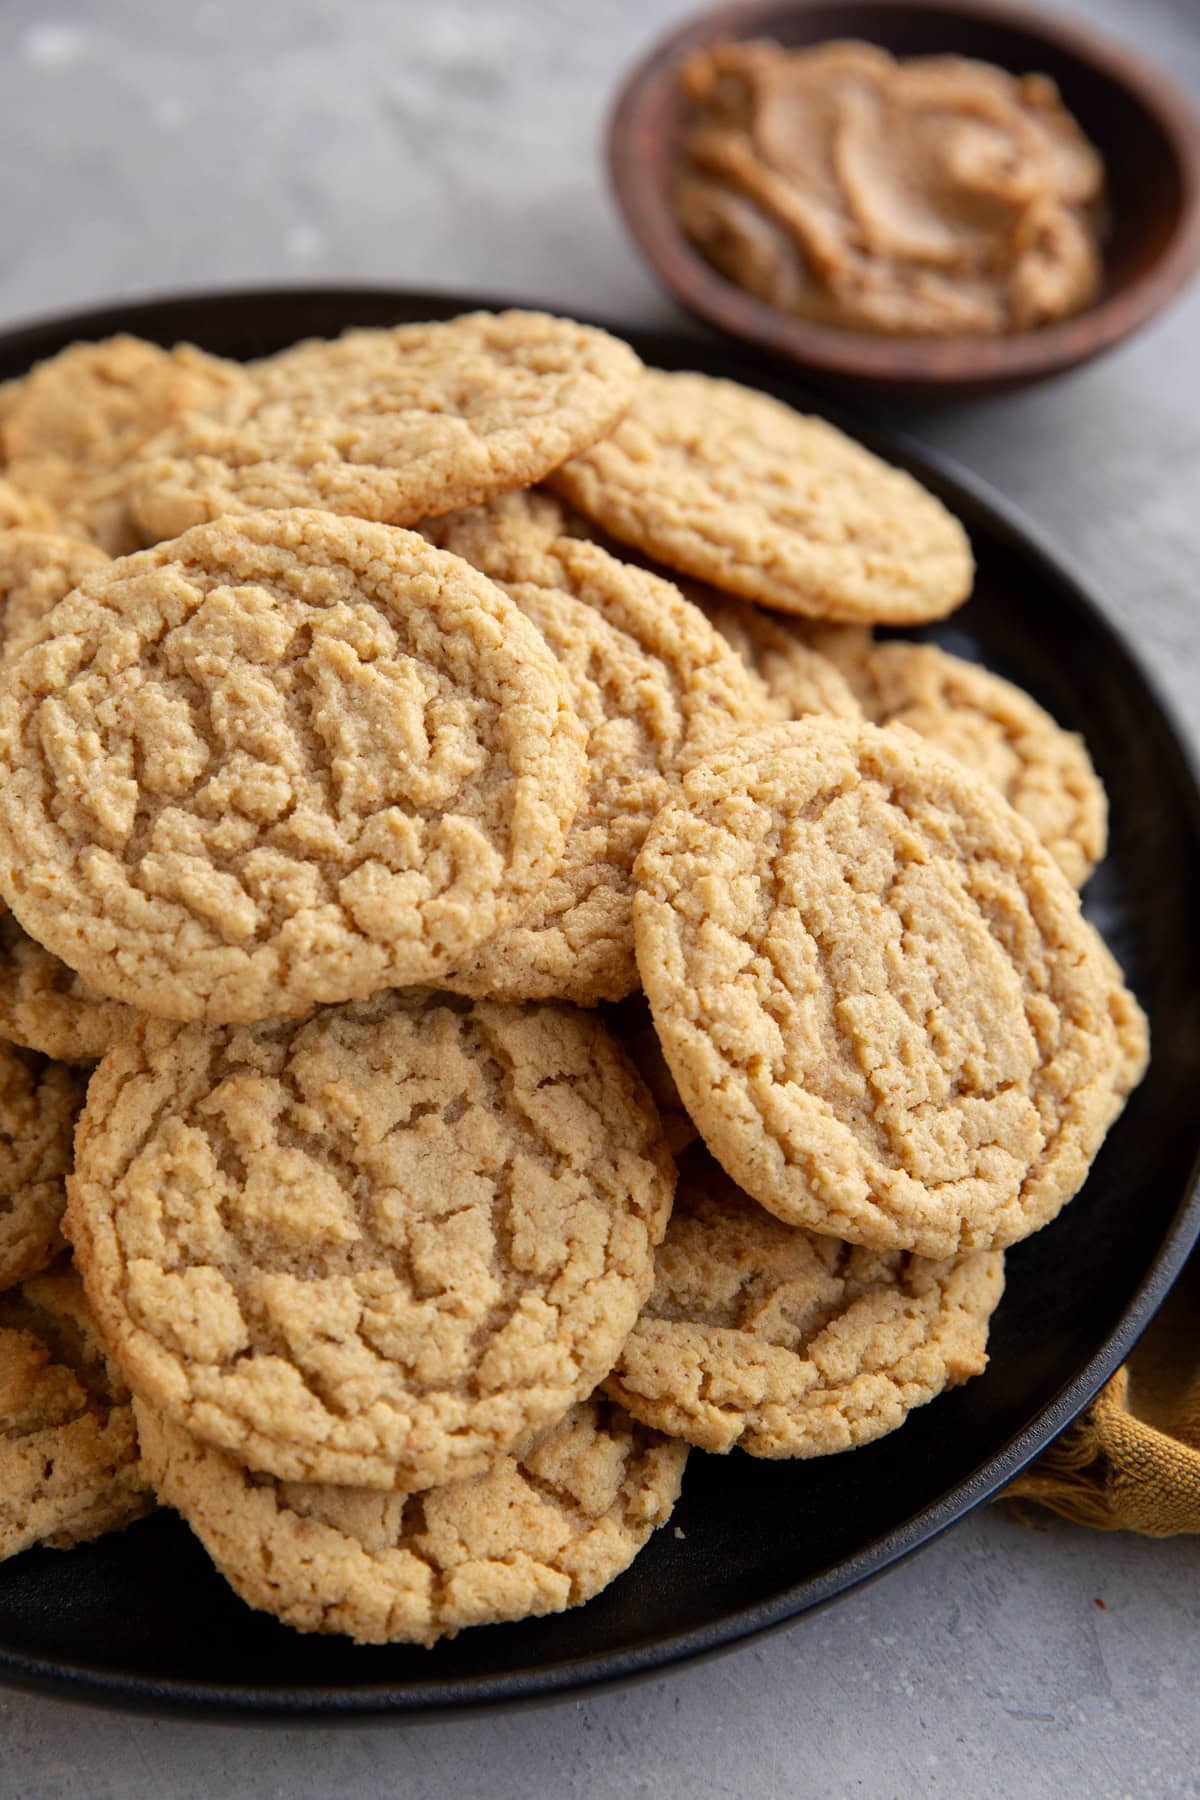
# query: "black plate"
x,y
142,1618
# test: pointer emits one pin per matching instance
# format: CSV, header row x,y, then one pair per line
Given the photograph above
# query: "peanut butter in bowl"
x,y
931,196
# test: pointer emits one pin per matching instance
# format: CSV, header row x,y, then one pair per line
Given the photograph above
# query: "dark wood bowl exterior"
x,y
1145,128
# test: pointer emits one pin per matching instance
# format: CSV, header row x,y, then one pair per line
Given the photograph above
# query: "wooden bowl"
x,y
1146,130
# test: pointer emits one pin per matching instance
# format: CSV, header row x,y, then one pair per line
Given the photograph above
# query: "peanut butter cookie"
x,y
68,1447
37,569
394,425
21,511
537,1532
735,488
998,731
75,429
289,758
875,990
799,680
38,1103
789,1344
44,1005
655,687
379,1247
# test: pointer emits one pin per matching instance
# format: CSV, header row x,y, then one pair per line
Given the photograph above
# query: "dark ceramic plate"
x,y
143,1619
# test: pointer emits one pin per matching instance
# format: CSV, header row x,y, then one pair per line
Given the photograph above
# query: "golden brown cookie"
x,y
655,687
38,1103
537,1532
999,732
790,1344
37,568
798,678
380,1247
21,511
875,990
68,1448
395,424
82,417
45,1006
733,487
289,758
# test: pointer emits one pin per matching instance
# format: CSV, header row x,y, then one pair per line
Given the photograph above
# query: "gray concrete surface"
x,y
147,147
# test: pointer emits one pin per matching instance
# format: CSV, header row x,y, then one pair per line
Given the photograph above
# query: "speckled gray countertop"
x,y
148,147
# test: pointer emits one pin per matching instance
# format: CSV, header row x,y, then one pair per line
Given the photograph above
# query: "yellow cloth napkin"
x,y
1132,1461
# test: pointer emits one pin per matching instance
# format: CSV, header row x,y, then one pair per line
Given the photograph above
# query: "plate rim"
x,y
380,1701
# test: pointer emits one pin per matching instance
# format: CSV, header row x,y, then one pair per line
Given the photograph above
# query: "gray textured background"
x,y
148,146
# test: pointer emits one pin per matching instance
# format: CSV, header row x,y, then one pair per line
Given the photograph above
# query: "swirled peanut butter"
x,y
927,197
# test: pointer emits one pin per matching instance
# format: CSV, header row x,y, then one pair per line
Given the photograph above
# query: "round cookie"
x,y
875,990
45,1006
999,732
24,512
37,568
797,677
395,424
81,418
654,686
69,1466
535,1533
286,759
38,1104
735,488
786,1343
379,1247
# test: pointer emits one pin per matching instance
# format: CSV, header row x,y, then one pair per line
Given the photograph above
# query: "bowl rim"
x,y
968,361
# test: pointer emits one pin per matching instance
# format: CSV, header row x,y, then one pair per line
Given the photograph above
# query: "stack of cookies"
x,y
503,978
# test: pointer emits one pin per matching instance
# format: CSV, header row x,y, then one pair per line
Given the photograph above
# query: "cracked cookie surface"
x,y
74,430
798,678
37,569
394,424
46,1006
654,686
997,730
380,1247
786,1343
68,1446
43,1004
535,1533
733,487
286,759
38,1103
876,992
